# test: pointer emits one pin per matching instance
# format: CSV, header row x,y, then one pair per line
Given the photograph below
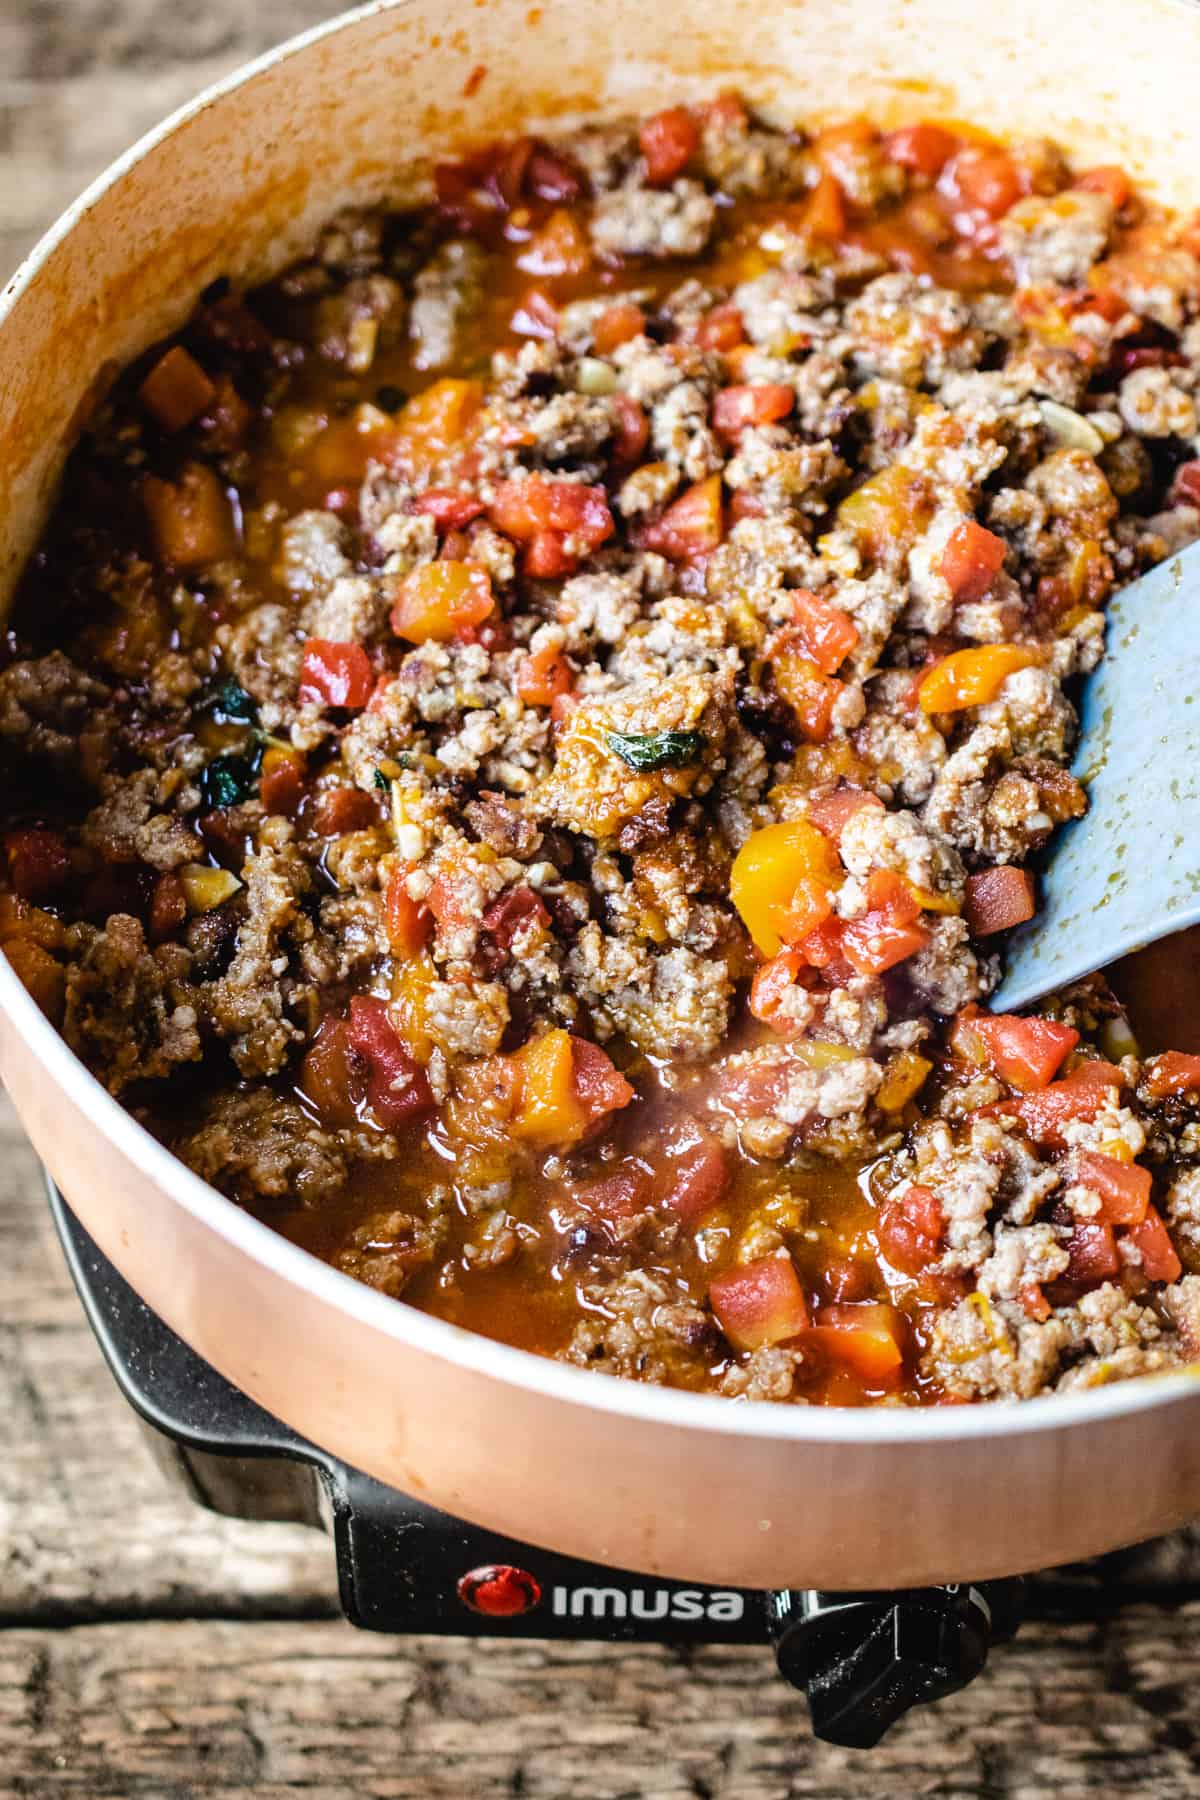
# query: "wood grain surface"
x,y
150,1649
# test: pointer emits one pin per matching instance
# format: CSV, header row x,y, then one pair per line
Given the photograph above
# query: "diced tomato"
x,y
526,507
408,926
725,114
452,898
599,1086
448,510
512,913
542,677
811,695
1174,1072
281,785
910,1230
1034,1303
888,932
924,148
811,903
1124,1188
337,675
39,861
997,899
826,635
760,1303
1186,485
397,1087
535,316
559,247
693,1173
971,560
439,599
1159,1258
168,907
691,526
833,812
761,403
342,809
1092,1248
825,211
668,141
618,1196
771,983
721,329
632,433
547,557
823,949
1027,1053
619,325
1107,179
984,179
1080,1095
330,1072
177,390
869,1339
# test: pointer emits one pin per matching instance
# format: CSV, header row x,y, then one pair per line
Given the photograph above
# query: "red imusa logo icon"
x,y
499,1591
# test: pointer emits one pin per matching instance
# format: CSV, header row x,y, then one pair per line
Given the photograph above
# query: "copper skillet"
x,y
670,1483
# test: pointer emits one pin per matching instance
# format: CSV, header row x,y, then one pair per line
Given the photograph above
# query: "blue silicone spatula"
x,y
1128,872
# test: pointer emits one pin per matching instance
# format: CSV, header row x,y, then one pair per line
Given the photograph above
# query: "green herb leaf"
x,y
231,778
657,749
381,781
232,704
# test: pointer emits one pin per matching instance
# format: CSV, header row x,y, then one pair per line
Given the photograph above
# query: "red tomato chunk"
x,y
397,1087
336,674
759,1304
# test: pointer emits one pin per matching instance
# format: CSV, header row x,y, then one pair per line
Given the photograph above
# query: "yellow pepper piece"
x,y
905,1077
935,903
204,888
972,677
411,984
548,1115
893,505
1118,1150
437,418
767,870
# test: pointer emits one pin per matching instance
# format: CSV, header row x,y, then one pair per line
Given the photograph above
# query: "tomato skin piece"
x,y
407,926
633,430
760,1303
331,1072
833,812
1159,1258
39,861
439,599
335,674
526,506
281,785
599,1086
1107,179
721,329
771,983
397,1087
888,932
825,633
668,141
997,899
1027,1053
911,1229
448,510
924,148
984,179
867,1338
1079,1095
762,403
511,913
1174,1072
691,526
971,561
811,695
694,1172
1124,1188
1093,1252
621,1195
342,809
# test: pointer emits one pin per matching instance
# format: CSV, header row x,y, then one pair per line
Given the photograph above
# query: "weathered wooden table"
x,y
149,1649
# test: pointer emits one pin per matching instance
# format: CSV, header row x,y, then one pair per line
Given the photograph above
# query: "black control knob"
x,y
864,1659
